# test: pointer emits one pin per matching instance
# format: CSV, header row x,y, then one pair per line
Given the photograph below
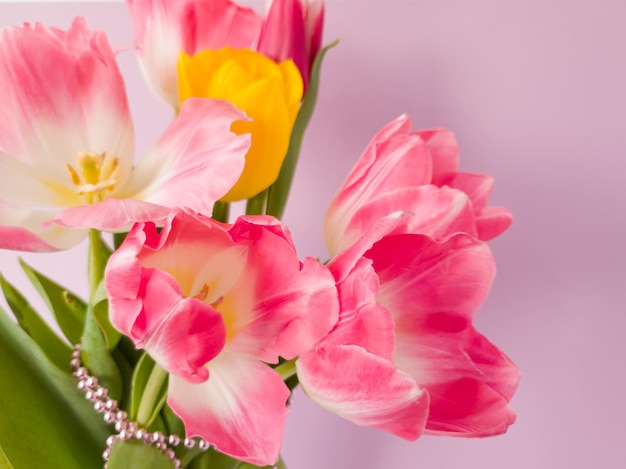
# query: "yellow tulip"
x,y
267,91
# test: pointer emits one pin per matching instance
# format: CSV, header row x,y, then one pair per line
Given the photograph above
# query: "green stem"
x,y
221,211
151,395
256,204
279,191
286,369
96,262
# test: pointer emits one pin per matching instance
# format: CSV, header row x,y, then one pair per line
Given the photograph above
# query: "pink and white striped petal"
x,y
196,160
18,226
241,409
420,276
433,290
365,389
181,334
295,304
362,320
50,114
392,166
469,380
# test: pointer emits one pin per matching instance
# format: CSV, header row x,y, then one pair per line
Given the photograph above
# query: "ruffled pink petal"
x,y
21,229
181,334
478,187
362,320
195,162
110,215
62,94
294,304
365,389
240,409
384,150
419,276
164,28
444,153
394,164
435,212
470,381
493,221
433,290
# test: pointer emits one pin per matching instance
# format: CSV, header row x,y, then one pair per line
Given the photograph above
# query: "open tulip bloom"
x,y
197,328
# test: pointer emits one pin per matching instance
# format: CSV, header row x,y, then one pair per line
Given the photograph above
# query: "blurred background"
x,y
536,95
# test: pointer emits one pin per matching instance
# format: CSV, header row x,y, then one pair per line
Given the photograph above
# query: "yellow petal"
x,y
269,93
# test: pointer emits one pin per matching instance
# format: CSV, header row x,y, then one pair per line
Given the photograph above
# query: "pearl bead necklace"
x,y
125,429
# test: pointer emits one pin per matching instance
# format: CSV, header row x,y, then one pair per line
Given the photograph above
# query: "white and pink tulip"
x,y
214,321
67,150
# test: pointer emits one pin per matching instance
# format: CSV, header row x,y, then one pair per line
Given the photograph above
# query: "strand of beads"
x,y
124,428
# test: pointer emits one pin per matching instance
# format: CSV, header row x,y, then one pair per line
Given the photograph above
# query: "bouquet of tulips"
x,y
199,325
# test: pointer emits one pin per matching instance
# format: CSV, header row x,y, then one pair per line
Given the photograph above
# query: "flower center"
x,y
96,175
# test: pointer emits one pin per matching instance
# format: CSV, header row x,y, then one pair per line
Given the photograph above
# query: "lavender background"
x,y
536,94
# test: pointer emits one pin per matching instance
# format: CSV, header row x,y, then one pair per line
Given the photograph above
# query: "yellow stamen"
x,y
202,294
99,173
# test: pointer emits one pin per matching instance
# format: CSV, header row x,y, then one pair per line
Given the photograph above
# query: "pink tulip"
x,y
214,321
415,172
292,29
165,28
421,236
67,141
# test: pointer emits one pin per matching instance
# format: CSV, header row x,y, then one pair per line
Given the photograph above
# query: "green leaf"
x,y
246,465
126,371
46,422
118,239
149,391
29,320
97,358
133,454
279,191
213,459
4,461
101,311
68,309
174,424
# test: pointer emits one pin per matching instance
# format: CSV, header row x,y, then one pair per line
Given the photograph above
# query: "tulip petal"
x,y
110,215
240,409
493,221
365,389
283,290
420,276
195,162
284,35
470,381
163,29
51,113
444,152
362,320
433,290
181,334
21,230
